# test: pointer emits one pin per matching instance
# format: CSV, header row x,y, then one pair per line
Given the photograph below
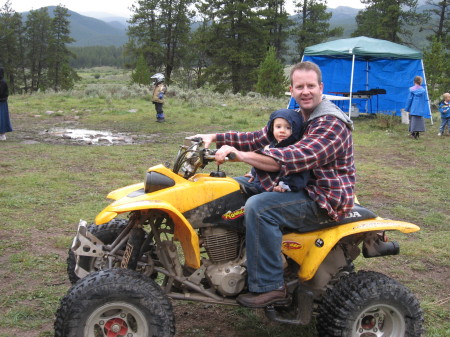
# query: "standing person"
x,y
444,109
326,149
284,128
5,123
415,105
158,96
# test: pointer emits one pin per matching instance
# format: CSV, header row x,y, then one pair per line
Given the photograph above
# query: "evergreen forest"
x,y
223,46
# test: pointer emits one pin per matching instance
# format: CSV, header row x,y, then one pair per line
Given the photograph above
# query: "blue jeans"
x,y
445,121
266,215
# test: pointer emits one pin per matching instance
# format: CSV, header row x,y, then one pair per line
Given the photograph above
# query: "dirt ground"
x,y
192,319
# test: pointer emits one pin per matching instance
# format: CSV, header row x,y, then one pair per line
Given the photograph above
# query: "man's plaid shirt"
x,y
326,148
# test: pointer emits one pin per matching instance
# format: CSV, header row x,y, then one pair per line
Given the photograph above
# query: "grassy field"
x,y
47,183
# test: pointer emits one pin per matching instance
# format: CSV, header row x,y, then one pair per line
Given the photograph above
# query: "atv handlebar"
x,y
193,155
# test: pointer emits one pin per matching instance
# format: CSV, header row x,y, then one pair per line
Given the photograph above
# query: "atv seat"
x,y
357,213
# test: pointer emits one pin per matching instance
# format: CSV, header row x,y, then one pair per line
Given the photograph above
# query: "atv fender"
x,y
183,229
310,249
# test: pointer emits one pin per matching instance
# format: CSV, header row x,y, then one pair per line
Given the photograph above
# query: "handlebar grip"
x,y
211,153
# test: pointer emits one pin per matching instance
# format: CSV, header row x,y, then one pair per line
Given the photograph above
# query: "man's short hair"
x,y
307,65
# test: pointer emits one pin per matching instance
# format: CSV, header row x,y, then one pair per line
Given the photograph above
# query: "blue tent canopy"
x,y
364,64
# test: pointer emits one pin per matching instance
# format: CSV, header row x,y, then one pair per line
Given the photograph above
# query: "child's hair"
x,y
418,80
446,96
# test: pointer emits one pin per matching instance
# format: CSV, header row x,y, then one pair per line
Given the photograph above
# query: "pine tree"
x,y
271,78
437,68
235,43
313,26
159,30
37,39
141,74
277,24
388,19
60,74
440,10
11,46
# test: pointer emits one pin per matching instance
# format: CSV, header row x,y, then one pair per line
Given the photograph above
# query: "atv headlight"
x,y
155,181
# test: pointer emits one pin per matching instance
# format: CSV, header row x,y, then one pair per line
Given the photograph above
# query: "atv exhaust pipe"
x,y
380,247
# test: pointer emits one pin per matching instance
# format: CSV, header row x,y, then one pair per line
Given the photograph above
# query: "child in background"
x,y
158,96
444,109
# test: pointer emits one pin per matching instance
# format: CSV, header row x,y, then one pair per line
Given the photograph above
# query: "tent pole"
x,y
426,90
351,87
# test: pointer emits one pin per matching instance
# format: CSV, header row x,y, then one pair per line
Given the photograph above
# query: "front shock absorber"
x,y
132,251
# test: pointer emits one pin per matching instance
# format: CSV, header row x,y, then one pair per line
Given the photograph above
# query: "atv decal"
x,y
232,215
291,245
353,215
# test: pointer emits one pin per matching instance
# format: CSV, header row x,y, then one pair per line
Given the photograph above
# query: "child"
x,y
158,96
284,129
444,109
415,105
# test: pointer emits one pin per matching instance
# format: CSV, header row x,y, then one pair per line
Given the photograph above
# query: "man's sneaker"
x,y
439,134
2,136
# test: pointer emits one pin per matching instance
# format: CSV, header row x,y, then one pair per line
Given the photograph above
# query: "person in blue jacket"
x,y
444,109
285,128
5,123
415,105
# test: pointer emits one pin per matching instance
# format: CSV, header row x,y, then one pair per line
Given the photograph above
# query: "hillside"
x,y
102,30
89,31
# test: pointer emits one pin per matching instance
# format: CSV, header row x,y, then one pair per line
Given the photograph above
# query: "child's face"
x,y
281,129
447,98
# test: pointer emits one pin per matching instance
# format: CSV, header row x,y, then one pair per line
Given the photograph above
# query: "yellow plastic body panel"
x,y
302,247
182,197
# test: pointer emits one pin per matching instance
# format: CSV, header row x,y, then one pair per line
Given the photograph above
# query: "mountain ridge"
x,y
89,31
108,30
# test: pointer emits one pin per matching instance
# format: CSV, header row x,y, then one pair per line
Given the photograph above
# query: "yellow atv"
x,y
180,235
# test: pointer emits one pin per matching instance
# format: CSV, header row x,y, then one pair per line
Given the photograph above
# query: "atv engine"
x,y
227,271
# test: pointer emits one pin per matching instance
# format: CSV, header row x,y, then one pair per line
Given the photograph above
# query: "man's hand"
x,y
223,153
207,138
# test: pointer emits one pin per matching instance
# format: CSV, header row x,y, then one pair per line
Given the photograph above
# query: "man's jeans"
x,y
266,215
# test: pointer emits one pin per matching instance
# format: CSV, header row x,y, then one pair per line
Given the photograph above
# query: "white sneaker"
x,y
439,134
2,136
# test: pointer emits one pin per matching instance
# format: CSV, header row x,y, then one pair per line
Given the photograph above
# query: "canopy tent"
x,y
379,72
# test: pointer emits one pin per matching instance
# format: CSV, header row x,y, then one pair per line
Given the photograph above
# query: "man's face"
x,y
306,90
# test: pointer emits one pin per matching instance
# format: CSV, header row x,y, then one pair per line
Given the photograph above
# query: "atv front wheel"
x,y
106,233
369,304
113,303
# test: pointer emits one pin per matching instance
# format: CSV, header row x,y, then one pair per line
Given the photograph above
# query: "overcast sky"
x,y
120,7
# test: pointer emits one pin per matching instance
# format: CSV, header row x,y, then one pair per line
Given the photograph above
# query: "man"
x,y
326,148
158,96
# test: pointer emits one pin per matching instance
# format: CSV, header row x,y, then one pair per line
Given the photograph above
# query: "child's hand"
x,y
249,175
279,189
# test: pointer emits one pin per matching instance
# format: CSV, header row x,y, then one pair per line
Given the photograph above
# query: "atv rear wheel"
x,y
107,233
369,304
113,303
